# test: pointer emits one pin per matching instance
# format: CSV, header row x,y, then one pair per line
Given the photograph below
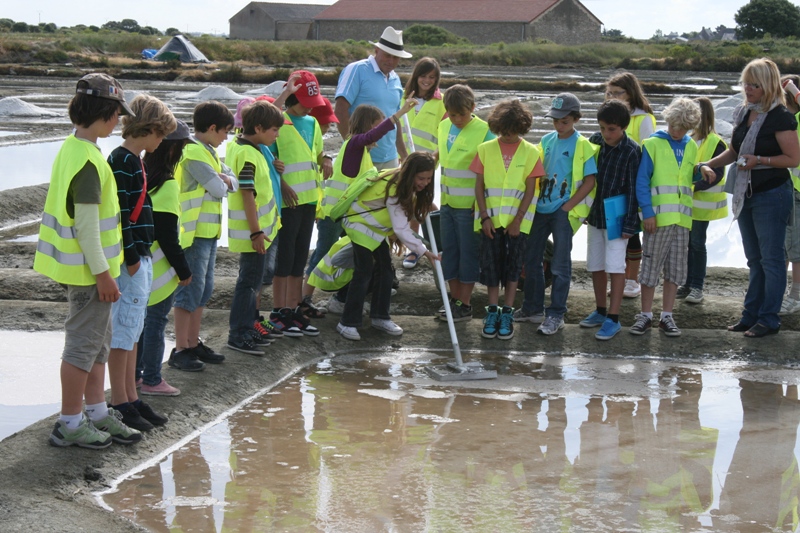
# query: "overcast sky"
x,y
636,18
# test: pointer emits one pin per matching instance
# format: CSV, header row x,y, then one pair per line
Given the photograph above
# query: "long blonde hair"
x,y
764,73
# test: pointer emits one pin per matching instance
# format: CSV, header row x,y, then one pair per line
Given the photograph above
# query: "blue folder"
x,y
615,215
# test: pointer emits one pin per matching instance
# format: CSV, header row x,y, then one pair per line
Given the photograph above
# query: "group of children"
x,y
502,197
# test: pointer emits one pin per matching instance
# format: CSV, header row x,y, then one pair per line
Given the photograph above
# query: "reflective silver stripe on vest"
x,y
237,214
425,149
265,209
335,184
505,210
299,167
304,186
367,213
77,259
453,173
458,191
190,226
700,204
68,232
422,134
715,189
241,234
670,189
364,229
164,278
191,203
673,208
498,193
210,218
328,261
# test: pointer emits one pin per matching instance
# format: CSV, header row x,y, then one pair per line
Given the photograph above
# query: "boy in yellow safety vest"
x,y
204,181
253,221
507,169
664,193
459,136
564,202
80,247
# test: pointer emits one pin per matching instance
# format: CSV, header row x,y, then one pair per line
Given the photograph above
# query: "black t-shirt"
x,y
779,119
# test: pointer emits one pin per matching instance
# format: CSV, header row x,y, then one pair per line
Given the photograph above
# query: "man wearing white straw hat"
x,y
373,81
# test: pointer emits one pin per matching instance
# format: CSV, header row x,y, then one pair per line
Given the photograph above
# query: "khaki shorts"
x,y
88,328
668,250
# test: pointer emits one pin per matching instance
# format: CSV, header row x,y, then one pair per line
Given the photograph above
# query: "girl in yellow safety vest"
x,y
170,267
507,169
710,202
625,87
384,209
423,119
791,301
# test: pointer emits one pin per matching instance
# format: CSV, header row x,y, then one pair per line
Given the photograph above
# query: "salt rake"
x,y
459,370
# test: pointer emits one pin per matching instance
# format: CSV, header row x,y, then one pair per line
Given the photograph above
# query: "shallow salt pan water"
x,y
577,444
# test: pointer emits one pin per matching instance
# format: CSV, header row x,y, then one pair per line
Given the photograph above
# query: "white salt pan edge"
x,y
15,107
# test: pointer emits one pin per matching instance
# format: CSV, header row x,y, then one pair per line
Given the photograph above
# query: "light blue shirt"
x,y
556,185
273,175
362,82
455,131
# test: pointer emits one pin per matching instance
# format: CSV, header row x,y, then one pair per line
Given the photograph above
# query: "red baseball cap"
x,y
308,93
324,113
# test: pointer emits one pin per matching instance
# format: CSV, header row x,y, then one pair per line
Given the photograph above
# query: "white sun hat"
x,y
391,42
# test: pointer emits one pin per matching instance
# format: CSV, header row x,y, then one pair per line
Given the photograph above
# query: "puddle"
x,y
577,444
30,383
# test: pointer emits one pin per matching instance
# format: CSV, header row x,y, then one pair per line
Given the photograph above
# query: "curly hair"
x,y
630,84
510,117
414,204
682,113
151,115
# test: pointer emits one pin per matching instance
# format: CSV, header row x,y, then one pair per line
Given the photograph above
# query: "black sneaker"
x,y
186,360
150,415
258,339
286,319
207,355
133,419
303,324
245,345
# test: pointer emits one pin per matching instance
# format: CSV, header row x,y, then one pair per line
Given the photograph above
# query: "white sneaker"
x,y
789,306
334,305
632,289
551,325
348,332
387,325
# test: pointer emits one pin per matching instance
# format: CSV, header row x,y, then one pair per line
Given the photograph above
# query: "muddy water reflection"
x,y
554,444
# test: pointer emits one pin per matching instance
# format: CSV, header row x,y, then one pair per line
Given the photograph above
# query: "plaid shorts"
x,y
667,250
501,258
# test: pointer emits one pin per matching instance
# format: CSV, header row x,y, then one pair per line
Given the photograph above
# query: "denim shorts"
x,y
201,257
460,245
127,313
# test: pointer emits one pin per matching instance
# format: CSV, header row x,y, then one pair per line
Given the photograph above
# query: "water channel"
x,y
569,444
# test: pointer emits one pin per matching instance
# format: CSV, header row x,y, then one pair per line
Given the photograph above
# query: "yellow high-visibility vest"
x,y
425,125
670,186
712,203
301,173
326,275
504,189
58,254
367,221
201,213
458,181
333,187
165,279
636,124
267,208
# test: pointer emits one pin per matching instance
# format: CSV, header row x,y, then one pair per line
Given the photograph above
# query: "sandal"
x,y
410,260
760,330
309,310
739,327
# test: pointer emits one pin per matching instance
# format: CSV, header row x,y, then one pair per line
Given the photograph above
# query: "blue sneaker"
x,y
593,320
506,329
608,330
491,322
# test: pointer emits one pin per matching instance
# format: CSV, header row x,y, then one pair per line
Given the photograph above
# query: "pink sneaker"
x,y
162,389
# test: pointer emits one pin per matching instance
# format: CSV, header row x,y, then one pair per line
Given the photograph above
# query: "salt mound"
x,y
274,89
15,107
215,92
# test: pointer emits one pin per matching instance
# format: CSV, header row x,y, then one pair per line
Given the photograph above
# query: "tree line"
x,y
123,26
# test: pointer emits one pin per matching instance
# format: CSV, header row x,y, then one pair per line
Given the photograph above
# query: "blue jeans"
x,y
269,263
762,223
460,245
546,224
201,257
698,257
248,284
328,232
150,353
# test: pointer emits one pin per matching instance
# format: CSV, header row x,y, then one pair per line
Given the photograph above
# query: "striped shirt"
x,y
136,237
616,174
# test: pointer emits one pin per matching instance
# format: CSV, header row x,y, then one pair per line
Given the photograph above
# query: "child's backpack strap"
x,y
359,184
